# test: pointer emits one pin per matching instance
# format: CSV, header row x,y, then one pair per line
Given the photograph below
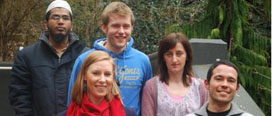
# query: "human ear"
x,y
206,84
103,27
46,25
238,86
72,27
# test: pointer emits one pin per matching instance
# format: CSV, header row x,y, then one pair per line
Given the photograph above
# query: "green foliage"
x,y
193,30
260,77
258,43
249,50
215,33
267,9
221,14
154,16
249,57
86,14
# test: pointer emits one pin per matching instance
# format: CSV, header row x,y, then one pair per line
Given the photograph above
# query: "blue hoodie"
x,y
133,70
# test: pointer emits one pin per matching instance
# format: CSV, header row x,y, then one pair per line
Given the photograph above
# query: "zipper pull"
x,y
59,59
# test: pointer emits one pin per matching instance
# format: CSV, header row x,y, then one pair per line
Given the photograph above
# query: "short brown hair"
x,y
119,8
168,42
78,89
222,62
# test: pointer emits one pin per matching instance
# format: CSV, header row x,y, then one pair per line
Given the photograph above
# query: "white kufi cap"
x,y
59,4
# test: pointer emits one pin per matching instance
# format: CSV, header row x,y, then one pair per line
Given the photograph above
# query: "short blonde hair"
x,y
119,8
78,89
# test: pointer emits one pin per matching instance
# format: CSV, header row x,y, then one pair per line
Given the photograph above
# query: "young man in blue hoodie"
x,y
133,66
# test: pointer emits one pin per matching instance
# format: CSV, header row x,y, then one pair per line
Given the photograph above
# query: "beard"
x,y
59,37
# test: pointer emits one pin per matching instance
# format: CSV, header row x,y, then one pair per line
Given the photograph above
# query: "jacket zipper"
x,y
59,59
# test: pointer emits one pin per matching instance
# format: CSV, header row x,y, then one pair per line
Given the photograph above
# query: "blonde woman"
x,y
95,91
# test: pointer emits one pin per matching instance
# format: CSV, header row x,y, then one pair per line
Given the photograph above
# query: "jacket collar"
x,y
202,111
44,36
99,45
234,110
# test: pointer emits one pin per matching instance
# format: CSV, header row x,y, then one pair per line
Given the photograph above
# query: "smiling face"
x,y
59,24
99,77
223,84
175,58
118,31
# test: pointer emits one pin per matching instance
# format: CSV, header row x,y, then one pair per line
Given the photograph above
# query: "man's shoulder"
x,y
246,114
138,53
236,110
31,48
86,53
138,56
192,114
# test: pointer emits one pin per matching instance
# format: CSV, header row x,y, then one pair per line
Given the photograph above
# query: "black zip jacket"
x,y
40,78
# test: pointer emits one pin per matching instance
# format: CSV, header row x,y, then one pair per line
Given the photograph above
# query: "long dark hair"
x,y
168,42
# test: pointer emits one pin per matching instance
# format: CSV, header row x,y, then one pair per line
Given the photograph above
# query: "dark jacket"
x,y
40,77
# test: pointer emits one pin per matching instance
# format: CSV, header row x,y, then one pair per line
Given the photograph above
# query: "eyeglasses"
x,y
58,17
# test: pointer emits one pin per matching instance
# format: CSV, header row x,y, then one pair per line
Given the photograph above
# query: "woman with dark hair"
x,y
95,91
174,91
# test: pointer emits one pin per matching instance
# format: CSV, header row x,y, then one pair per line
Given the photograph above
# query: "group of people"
x,y
59,75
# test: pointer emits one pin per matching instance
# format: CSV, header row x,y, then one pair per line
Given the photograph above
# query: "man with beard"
x,y
222,83
41,72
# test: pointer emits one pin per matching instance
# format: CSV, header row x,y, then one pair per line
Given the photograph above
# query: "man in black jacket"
x,y
41,72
